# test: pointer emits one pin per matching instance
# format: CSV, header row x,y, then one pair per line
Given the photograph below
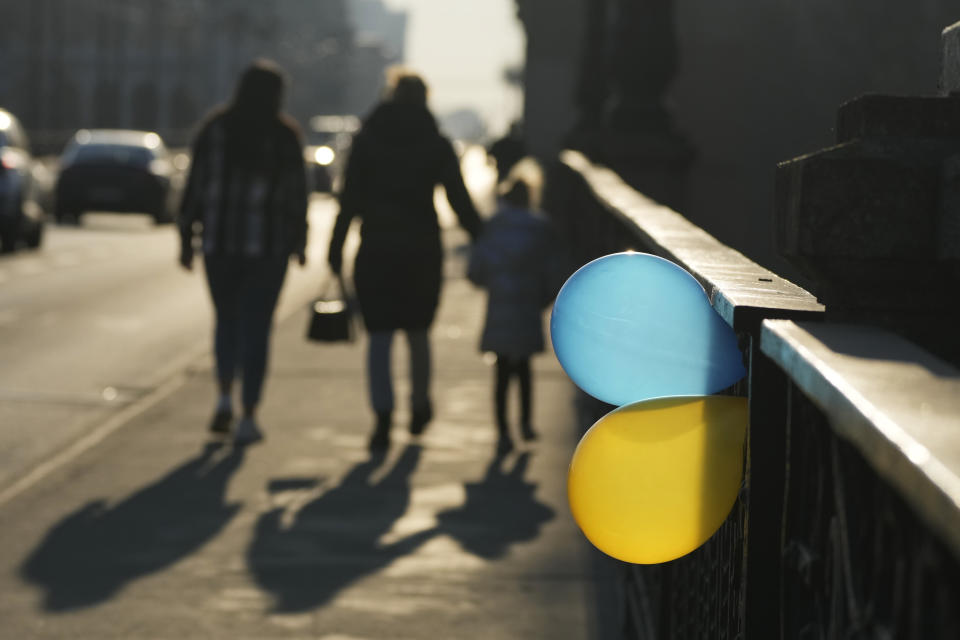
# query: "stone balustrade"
x,y
848,524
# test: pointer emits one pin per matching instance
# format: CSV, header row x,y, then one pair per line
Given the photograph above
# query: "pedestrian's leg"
x,y
263,290
378,371
504,373
526,395
380,386
421,409
502,381
224,283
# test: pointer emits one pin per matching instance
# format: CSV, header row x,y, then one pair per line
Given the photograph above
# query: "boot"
x,y
420,418
380,440
504,443
529,435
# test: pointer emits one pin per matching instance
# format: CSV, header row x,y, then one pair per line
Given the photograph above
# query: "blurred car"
x,y
318,159
115,170
328,140
21,217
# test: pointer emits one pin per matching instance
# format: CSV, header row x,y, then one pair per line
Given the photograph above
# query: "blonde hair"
x,y
523,186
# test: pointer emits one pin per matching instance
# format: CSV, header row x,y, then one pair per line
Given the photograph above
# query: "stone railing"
x,y
848,523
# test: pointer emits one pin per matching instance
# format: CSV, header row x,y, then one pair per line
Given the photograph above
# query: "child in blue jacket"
x,y
515,260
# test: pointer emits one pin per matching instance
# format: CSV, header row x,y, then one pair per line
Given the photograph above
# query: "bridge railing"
x,y
848,522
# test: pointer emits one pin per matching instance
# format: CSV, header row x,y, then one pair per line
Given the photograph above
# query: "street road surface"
x,y
101,316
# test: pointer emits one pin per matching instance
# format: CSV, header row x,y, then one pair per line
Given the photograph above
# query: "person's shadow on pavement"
x,y
334,540
92,553
499,511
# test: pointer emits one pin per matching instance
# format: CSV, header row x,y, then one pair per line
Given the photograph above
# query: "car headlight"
x,y
324,155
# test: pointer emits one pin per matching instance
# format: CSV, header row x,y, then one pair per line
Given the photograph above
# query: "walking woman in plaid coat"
x,y
246,203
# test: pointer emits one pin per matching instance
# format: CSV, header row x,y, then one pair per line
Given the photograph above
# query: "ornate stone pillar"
x,y
629,60
643,64
593,86
554,31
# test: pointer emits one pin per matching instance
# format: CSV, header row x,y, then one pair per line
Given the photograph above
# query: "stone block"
x,y
866,224
949,233
874,222
878,116
950,62
844,205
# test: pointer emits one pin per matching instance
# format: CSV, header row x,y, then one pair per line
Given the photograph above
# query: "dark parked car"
x,y
114,170
21,217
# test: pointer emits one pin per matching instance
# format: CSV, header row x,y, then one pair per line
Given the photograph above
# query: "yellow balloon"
x,y
653,480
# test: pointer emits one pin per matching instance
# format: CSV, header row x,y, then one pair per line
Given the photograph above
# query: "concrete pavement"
x,y
152,533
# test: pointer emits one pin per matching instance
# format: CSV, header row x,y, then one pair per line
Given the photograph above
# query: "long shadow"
x,y
499,511
334,540
92,553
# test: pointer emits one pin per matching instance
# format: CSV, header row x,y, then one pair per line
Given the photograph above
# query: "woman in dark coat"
x,y
246,198
396,161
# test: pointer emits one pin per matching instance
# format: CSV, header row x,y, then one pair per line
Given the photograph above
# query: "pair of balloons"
x,y
654,479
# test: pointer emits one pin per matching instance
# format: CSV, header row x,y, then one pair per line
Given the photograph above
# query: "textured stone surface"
x,y
842,204
950,64
866,229
874,221
876,116
949,236
875,216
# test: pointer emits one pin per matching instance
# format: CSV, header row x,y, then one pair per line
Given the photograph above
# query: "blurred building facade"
x,y
375,22
162,64
720,92
380,40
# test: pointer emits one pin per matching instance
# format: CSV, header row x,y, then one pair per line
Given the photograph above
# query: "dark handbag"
x,y
331,316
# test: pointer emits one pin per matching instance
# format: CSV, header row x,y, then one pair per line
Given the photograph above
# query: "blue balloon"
x,y
632,326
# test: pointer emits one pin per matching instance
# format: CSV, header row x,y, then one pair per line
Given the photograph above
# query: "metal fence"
x,y
841,530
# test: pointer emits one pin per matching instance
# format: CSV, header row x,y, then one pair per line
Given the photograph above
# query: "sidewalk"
x,y
152,535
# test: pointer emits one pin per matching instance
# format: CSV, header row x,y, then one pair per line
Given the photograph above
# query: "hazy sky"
x,y
461,47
